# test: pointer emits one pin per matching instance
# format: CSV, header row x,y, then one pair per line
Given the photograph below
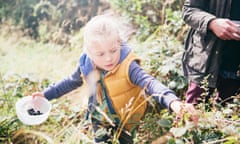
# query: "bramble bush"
x,y
216,125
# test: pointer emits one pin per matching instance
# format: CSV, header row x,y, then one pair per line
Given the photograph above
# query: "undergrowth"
x,y
66,124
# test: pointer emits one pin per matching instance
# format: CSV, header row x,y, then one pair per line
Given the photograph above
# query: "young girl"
x,y
119,84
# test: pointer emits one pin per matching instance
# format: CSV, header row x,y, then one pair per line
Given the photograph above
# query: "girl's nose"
x,y
108,57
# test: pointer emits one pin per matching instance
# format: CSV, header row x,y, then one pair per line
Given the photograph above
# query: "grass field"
x,y
25,57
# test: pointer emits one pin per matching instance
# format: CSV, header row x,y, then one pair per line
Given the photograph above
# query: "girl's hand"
x,y
181,108
37,94
35,103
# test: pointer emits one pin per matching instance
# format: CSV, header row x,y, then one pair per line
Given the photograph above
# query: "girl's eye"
x,y
114,50
99,54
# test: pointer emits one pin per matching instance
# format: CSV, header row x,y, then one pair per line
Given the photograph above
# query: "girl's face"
x,y
105,55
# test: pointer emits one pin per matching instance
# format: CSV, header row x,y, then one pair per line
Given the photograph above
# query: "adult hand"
x,y
225,29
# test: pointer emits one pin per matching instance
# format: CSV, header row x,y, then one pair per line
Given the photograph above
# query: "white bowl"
x,y
38,103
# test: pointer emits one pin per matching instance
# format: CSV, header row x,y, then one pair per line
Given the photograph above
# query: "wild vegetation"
x,y
41,43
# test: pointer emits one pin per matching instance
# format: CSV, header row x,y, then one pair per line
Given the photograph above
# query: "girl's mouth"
x,y
109,65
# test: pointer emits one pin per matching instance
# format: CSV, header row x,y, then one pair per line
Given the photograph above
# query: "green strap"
x,y
109,103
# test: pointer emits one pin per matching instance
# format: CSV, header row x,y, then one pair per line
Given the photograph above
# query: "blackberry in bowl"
x,y
33,111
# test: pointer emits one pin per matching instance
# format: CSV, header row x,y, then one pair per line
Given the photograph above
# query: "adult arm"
x,y
195,14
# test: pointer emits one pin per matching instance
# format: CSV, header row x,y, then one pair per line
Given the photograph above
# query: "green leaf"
x,y
231,140
164,123
178,132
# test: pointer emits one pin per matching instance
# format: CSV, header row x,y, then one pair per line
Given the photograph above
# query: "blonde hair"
x,y
99,29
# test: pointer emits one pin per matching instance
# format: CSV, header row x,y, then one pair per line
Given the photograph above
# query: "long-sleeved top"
x,y
137,76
